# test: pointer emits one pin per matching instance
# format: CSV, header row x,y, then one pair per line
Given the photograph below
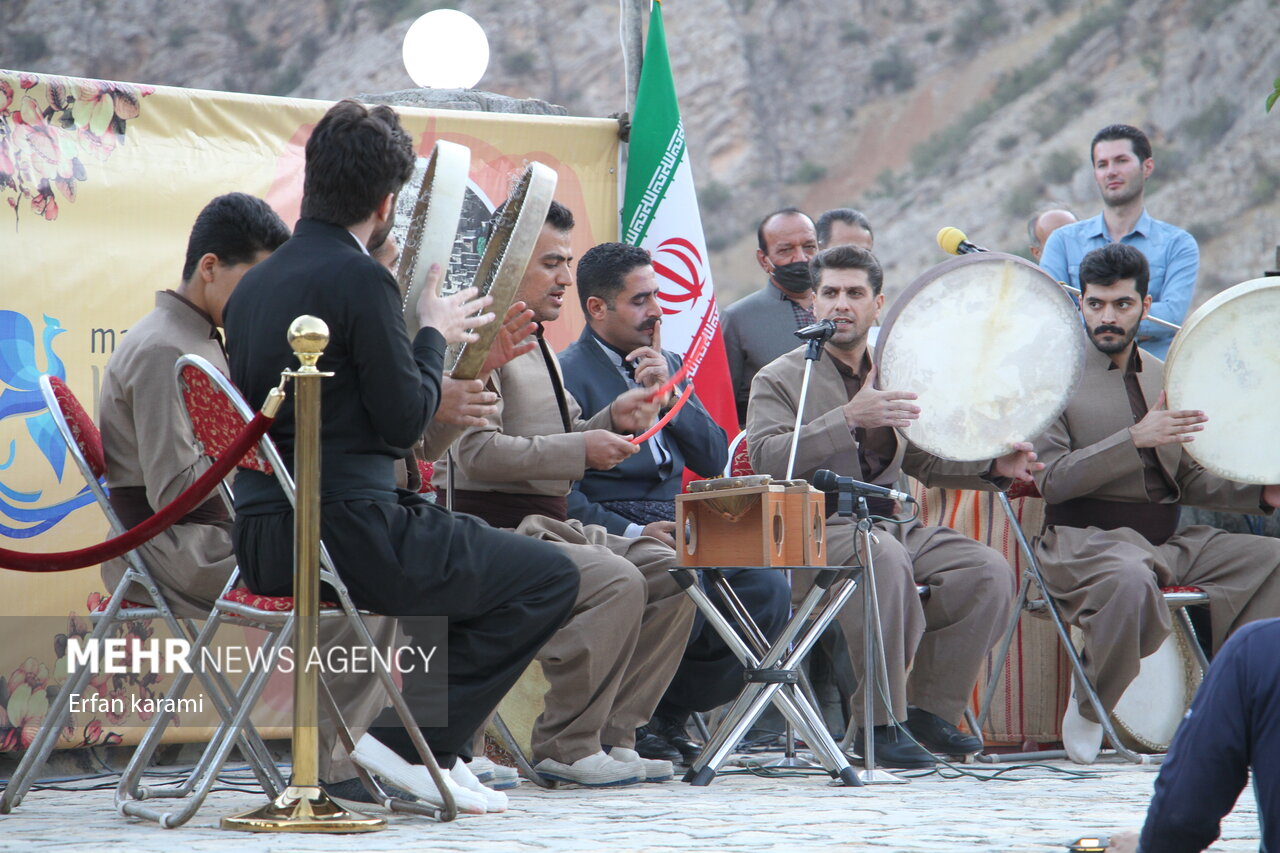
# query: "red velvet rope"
x,y
195,493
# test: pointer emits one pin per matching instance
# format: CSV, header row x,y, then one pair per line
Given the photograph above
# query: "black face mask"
x,y
794,277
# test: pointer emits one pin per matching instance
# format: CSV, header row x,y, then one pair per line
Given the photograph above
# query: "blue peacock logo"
x,y
24,514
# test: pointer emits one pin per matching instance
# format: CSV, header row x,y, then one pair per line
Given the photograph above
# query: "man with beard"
x,y
760,327
608,666
1122,163
1114,476
619,349
848,426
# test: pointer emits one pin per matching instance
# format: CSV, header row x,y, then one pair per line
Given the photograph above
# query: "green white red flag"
x,y
660,213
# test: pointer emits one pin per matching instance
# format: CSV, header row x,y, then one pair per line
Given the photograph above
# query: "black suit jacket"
x,y
693,438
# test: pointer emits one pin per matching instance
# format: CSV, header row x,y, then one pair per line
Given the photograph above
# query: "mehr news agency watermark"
x,y
169,656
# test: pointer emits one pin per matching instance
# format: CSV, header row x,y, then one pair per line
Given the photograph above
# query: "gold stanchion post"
x,y
304,806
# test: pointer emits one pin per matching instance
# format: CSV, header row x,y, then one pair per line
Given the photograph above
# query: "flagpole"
x,y
631,31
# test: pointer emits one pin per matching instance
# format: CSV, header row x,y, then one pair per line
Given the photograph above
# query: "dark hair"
x,y
602,268
235,227
785,211
847,215
847,258
1105,266
559,217
1141,145
356,156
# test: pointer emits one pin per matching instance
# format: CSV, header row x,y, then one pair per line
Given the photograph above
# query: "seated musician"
x,y
848,426
498,596
1115,473
620,349
611,663
152,456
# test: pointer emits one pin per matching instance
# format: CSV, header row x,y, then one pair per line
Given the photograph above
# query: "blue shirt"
x,y
1171,253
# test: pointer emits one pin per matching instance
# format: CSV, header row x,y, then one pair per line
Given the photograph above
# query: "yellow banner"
x,y
101,182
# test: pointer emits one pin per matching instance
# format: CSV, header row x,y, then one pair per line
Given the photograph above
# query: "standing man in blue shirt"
x,y
1122,162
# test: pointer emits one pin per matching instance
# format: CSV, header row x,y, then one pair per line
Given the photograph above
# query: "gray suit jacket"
x,y
757,329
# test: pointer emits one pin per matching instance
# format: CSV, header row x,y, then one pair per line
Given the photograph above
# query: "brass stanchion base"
x,y
303,810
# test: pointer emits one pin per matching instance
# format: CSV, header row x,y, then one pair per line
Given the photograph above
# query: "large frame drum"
x,y
1226,362
992,346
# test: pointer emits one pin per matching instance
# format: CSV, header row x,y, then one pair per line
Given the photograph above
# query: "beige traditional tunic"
x,y
611,663
1107,581
942,640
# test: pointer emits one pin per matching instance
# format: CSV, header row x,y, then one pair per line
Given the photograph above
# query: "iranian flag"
x,y
660,213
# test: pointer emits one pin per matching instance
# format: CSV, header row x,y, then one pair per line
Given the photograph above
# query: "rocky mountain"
x,y
922,113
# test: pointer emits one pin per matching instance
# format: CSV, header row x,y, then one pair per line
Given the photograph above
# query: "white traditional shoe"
x,y
1081,738
374,756
499,777
655,770
594,771
494,801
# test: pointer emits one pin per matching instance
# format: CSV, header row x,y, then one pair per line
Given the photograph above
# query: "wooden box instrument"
x,y
751,521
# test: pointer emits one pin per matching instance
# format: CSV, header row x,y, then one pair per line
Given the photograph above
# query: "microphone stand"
x,y
811,354
871,643
813,351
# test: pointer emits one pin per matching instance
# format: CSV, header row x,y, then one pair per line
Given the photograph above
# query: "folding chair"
x,y
84,444
217,413
1177,598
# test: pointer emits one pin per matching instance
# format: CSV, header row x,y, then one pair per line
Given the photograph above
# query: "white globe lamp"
x,y
445,49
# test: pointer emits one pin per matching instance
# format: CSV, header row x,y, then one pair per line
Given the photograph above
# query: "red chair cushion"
x,y
99,602
740,466
1023,490
215,420
82,427
268,603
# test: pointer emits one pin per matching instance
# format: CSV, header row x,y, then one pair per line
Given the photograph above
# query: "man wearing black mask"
x,y
760,327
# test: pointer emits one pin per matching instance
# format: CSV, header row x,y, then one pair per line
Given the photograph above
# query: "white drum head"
x,y
434,225
1226,362
1150,711
992,346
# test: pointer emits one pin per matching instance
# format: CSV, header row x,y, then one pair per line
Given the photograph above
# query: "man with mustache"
x,y
619,349
610,663
1122,163
1114,476
848,426
760,327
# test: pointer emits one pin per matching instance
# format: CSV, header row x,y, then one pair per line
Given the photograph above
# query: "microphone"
x,y
819,331
953,242
827,481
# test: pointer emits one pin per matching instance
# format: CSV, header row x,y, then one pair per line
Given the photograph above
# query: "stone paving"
x,y
738,812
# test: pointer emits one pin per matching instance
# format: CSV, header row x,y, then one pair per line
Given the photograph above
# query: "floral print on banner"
x,y
26,693
49,127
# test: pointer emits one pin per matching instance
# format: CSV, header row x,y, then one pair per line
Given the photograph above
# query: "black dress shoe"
x,y
939,736
652,745
894,749
673,732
